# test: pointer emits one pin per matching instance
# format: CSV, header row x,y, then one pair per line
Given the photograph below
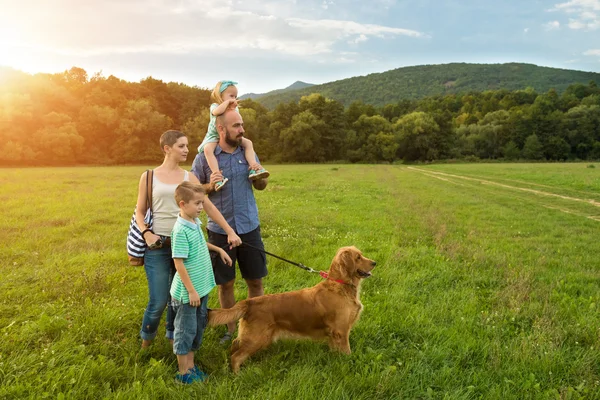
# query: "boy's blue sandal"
x,y
187,378
259,174
219,185
202,376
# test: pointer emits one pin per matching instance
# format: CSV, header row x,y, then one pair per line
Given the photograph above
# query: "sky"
x,y
266,45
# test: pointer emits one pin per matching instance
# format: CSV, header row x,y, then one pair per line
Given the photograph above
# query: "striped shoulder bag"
x,y
136,245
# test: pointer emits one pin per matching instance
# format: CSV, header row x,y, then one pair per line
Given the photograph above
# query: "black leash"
x,y
323,274
299,265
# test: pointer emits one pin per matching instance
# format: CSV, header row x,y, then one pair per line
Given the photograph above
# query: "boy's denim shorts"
x,y
190,323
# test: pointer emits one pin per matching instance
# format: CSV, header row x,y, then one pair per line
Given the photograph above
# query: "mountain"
x,y
294,86
429,80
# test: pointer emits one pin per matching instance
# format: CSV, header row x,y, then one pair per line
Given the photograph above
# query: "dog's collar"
x,y
325,275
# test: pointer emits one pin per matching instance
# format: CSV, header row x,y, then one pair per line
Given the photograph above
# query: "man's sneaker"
x,y
226,338
187,378
259,174
219,185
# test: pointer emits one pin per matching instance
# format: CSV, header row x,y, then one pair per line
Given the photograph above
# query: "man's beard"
x,y
232,141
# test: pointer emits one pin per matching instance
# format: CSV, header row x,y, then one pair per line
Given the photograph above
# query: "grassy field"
x,y
487,285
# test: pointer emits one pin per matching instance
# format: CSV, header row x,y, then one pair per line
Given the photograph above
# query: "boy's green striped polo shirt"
x,y
187,243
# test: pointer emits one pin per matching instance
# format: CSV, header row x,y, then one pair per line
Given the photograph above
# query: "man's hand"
x,y
194,299
233,239
215,177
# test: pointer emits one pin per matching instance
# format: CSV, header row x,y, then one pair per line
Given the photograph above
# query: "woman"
x,y
158,261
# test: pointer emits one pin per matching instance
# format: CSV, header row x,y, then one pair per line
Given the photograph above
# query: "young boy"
x,y
192,282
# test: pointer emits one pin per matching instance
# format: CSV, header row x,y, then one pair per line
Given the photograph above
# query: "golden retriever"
x,y
325,311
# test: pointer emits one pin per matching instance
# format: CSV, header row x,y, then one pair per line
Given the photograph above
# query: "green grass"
x,y
483,289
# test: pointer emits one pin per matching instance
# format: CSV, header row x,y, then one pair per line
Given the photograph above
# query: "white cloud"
x,y
593,52
588,15
594,24
576,6
552,25
346,28
188,27
585,10
576,24
526,30
359,39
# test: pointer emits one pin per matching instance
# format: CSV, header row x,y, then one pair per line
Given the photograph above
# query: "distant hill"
x,y
294,86
429,80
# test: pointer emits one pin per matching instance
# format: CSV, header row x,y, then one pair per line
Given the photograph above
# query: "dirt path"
x,y
530,184
486,182
442,179
439,175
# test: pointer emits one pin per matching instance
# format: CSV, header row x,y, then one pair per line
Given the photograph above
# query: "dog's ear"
x,y
343,264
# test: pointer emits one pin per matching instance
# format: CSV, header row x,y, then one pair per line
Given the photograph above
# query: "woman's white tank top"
x,y
164,207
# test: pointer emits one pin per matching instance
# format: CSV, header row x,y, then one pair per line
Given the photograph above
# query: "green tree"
x,y
381,147
358,108
358,139
280,119
138,133
591,100
582,126
162,99
97,125
394,111
416,132
511,151
494,132
595,153
300,142
58,141
16,124
532,150
332,135
195,128
557,148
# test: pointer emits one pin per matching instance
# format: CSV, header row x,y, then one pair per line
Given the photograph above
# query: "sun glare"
x,y
19,52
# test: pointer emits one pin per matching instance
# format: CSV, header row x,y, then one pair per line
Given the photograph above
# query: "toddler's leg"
x,y
209,152
256,170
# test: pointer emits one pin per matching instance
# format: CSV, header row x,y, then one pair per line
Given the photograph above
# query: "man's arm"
x,y
213,212
198,169
210,186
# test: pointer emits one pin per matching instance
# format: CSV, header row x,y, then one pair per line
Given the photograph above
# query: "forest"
x,y
72,118
417,82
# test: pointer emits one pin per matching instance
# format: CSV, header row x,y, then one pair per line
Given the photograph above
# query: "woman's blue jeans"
x,y
160,270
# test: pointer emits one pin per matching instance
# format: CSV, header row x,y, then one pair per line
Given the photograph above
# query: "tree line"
x,y
70,118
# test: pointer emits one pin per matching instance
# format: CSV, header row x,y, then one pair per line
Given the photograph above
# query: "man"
x,y
237,204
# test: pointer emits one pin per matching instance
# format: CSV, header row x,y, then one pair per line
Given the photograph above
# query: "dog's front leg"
x,y
340,340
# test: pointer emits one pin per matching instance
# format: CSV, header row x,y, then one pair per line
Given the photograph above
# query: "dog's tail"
x,y
223,316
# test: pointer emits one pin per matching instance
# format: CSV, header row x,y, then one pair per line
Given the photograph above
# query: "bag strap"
x,y
149,179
